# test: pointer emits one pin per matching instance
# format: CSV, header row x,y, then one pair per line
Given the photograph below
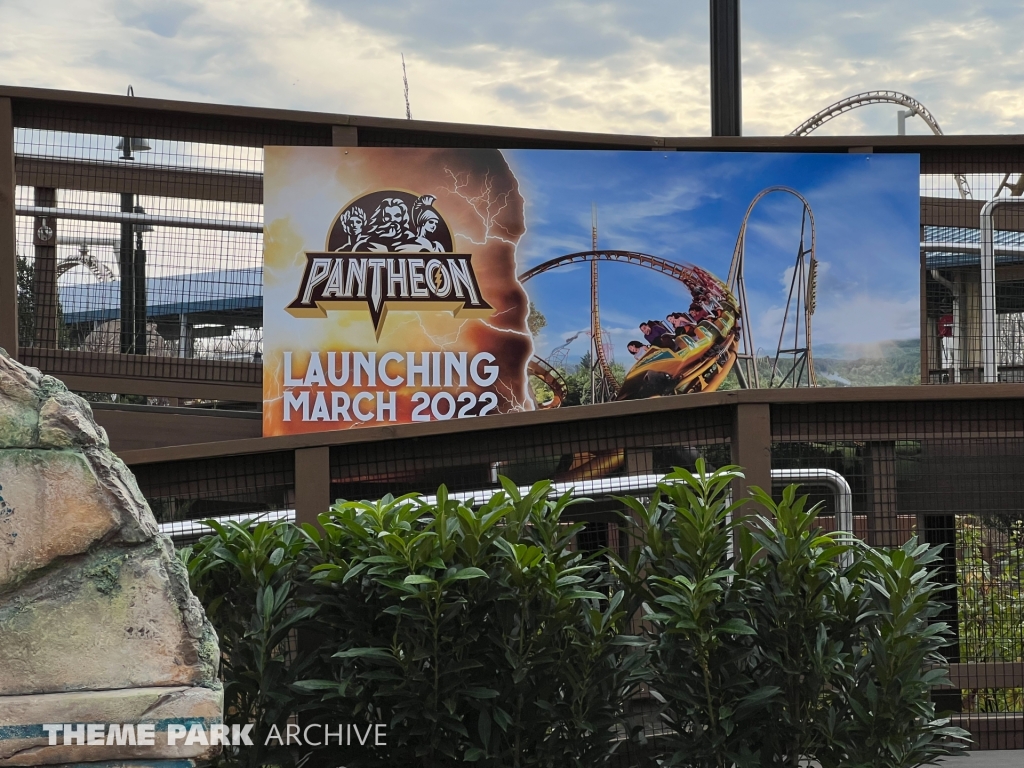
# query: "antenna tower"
x,y
405,83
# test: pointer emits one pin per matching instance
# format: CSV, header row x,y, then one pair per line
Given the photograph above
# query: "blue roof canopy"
x,y
189,293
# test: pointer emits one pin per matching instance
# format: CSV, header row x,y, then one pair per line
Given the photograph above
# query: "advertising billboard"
x,y
411,285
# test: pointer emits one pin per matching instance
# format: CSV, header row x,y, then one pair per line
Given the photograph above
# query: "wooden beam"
x,y
188,390
900,419
149,375
112,364
883,515
157,181
989,674
8,235
44,272
972,157
137,427
103,114
992,731
952,399
924,345
111,115
955,212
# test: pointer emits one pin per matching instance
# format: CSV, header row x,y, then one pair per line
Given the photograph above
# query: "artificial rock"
x,y
95,610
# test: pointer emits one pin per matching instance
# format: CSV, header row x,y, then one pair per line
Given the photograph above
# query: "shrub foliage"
x,y
478,633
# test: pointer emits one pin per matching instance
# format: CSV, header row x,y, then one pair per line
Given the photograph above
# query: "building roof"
x,y
188,293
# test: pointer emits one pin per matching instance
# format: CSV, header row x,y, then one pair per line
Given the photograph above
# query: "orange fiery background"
x,y
479,198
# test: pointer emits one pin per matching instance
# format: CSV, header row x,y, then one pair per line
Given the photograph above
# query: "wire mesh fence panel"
x,y
183,493
139,235
139,258
173,200
948,473
604,455
972,252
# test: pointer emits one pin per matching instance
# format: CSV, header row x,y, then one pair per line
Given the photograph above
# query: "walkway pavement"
x,y
995,758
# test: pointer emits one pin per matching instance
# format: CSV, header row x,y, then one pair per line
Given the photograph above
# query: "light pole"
x,y
132,259
901,121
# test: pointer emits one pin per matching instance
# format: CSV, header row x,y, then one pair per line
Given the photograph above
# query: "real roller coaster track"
x,y
867,98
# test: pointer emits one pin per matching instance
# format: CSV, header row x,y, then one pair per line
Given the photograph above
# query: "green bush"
x,y
247,575
990,564
801,644
700,662
478,634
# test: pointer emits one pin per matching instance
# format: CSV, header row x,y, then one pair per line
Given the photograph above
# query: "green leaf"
x,y
479,692
484,728
577,594
417,578
735,627
369,653
469,573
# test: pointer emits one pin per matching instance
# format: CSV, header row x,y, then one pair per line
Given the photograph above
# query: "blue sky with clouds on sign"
x,y
688,207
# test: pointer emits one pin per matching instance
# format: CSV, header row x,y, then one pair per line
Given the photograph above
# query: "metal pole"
x,y
44,281
127,268
726,87
184,342
988,287
140,219
140,294
8,235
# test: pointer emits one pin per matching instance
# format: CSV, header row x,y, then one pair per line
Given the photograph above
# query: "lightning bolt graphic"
x,y
488,206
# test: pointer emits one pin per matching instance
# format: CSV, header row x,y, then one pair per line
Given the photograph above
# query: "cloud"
x,y
850,319
164,20
568,64
962,60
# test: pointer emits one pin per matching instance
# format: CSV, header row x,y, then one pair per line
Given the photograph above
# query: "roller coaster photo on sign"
x,y
413,285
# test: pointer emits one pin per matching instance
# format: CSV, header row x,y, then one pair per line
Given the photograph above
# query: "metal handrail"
x,y
125,217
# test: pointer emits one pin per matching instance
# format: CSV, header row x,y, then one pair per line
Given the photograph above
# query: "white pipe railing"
x,y
127,217
990,372
605,486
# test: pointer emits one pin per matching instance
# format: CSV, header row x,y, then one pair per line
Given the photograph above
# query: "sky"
x,y
688,207
592,66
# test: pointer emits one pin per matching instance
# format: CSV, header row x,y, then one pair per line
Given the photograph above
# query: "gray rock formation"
x,y
97,623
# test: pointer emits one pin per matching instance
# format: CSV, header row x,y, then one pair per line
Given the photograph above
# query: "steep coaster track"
x,y
681,272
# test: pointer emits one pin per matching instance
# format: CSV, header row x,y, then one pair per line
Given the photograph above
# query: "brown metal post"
x,y
44,275
312,483
344,136
312,497
752,447
8,235
883,520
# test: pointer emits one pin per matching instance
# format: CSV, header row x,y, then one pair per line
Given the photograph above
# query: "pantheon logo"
x,y
398,256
